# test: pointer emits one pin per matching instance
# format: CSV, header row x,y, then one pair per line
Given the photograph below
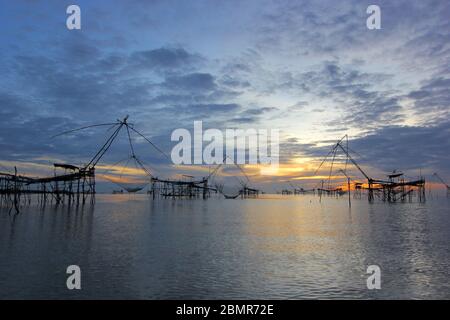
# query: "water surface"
x,y
273,248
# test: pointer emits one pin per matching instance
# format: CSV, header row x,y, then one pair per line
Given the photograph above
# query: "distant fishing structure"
x,y
393,189
244,192
443,182
73,184
296,190
76,184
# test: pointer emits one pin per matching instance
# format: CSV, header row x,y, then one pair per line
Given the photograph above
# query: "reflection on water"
x,y
290,248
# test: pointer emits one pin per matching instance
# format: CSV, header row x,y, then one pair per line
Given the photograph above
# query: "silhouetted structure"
x,y
443,182
394,189
73,185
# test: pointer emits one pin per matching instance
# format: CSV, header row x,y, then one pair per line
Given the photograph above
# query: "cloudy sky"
x,y
309,68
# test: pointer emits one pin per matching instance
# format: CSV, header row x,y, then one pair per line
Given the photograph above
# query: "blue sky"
x,y
310,68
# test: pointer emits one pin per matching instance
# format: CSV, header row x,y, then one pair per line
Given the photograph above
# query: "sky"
x,y
309,68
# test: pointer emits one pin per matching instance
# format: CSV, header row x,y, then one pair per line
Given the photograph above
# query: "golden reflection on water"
x,y
296,226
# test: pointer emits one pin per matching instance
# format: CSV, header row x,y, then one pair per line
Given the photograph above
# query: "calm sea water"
x,y
290,248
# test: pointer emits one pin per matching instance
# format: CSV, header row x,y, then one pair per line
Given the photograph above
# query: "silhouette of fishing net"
x,y
133,176
129,174
229,180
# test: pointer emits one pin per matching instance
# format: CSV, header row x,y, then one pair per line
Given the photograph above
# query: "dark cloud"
x,y
433,98
299,106
407,148
330,28
312,27
191,82
251,115
354,94
199,111
79,49
259,111
106,86
12,106
164,59
234,82
243,120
